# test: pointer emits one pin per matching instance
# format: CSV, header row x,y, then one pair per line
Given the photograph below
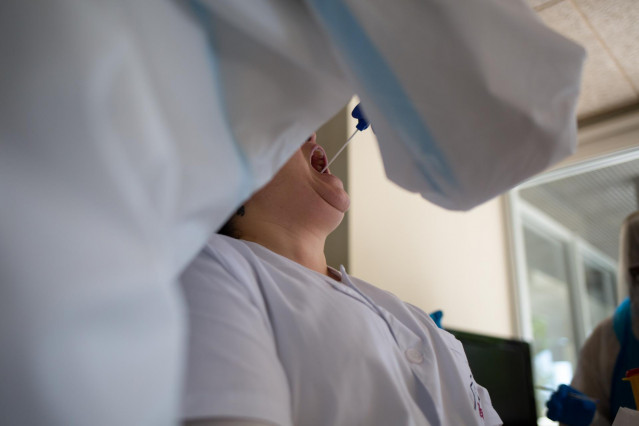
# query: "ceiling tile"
x,y
617,23
604,86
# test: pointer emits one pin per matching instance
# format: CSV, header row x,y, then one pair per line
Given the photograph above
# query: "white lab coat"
x,y
274,341
130,130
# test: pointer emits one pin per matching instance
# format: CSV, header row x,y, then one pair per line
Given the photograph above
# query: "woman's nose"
x,y
312,138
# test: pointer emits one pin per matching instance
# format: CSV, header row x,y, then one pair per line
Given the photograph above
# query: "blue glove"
x,y
437,317
569,406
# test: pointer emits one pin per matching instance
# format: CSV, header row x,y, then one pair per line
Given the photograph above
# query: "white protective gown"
x,y
130,130
598,357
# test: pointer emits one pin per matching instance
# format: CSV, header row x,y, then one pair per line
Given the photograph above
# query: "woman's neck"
x,y
299,245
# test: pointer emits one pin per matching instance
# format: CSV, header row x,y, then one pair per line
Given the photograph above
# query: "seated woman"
x,y
279,337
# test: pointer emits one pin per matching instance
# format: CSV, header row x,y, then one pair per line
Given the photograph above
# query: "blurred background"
x,y
538,263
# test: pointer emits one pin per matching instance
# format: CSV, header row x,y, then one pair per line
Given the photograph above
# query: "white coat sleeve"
x,y
467,98
115,166
233,370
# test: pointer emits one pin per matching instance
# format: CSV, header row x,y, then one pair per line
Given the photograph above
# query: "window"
x,y
565,235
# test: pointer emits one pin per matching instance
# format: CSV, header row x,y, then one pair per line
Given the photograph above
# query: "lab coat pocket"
x,y
472,402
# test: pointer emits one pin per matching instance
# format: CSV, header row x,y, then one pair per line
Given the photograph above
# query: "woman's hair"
x,y
229,229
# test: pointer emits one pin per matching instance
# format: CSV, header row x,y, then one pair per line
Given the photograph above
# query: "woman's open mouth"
x,y
318,159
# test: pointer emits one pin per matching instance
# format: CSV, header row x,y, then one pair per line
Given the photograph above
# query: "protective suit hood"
x,y
628,258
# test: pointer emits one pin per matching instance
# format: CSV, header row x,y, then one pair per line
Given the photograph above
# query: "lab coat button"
x,y
414,355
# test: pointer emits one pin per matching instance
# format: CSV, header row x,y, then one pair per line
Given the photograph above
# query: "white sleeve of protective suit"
x,y
116,163
467,98
281,80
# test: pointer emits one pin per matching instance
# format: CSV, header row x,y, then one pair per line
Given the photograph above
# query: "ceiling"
x,y
609,31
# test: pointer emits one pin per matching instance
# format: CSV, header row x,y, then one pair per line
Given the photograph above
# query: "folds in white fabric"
x,y
468,98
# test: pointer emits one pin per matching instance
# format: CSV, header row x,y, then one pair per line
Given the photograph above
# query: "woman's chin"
x,y
339,200
343,205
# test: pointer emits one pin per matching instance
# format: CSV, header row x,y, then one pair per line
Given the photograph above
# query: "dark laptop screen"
x,y
503,367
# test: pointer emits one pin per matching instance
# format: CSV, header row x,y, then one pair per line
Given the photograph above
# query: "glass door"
x,y
554,340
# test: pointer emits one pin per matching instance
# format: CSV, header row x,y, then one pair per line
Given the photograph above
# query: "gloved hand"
x,y
437,317
568,405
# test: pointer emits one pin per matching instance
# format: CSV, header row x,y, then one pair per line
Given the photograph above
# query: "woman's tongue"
x,y
318,159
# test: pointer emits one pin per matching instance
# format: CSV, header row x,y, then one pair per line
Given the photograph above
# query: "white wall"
x,y
428,256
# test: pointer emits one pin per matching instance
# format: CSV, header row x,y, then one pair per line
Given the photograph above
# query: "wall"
x,y
428,256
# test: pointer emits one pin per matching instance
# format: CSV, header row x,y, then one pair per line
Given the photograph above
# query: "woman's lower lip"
x,y
332,178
